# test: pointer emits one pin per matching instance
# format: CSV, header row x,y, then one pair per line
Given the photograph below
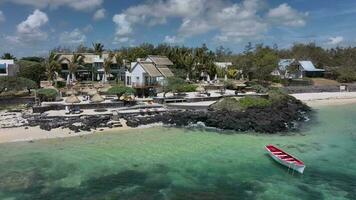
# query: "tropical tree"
x,y
107,66
8,56
73,64
265,61
32,70
52,66
98,49
120,90
119,59
16,84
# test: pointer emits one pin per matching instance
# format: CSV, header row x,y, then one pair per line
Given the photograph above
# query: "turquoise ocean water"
x,y
171,163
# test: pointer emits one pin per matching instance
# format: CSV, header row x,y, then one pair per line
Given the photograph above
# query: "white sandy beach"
x,y
327,98
35,133
21,134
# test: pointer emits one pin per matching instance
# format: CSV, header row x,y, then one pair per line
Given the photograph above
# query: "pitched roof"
x,y
160,60
305,64
308,66
165,71
284,64
89,58
150,69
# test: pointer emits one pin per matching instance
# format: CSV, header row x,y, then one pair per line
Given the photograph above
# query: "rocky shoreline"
x,y
284,116
280,117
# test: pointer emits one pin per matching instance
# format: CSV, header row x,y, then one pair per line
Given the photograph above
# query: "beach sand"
x,y
35,133
20,134
327,98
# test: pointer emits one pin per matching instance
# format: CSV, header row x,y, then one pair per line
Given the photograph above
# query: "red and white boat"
x,y
285,159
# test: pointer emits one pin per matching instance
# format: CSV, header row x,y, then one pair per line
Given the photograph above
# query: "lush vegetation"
x,y
47,94
120,90
178,85
32,70
255,62
16,84
275,96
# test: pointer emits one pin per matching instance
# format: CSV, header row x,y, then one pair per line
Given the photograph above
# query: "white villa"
x,y
92,68
292,68
148,73
8,68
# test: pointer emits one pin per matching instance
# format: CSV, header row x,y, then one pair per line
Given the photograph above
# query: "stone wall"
x,y
41,109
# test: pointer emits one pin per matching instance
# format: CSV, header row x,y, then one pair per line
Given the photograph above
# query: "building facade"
x,y
8,68
93,67
148,74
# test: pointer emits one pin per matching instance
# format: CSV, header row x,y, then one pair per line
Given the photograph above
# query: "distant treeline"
x,y
256,60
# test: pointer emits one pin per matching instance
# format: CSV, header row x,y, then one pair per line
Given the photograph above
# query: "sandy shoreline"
x,y
20,134
327,98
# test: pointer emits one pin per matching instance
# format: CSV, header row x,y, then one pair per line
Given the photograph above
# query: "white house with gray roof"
x,y
148,73
292,68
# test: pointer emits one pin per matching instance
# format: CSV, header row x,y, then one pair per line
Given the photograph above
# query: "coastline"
x,y
322,99
23,134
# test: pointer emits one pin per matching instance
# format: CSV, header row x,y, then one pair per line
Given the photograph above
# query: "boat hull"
x,y
297,167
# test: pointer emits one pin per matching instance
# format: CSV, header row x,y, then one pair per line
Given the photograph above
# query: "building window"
x,y
64,66
3,69
128,80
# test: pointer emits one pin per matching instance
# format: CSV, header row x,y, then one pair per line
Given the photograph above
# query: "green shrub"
x,y
16,84
346,76
277,95
250,102
120,90
228,103
229,84
61,84
187,88
259,88
47,94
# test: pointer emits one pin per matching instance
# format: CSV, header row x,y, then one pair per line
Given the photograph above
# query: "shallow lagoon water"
x,y
171,163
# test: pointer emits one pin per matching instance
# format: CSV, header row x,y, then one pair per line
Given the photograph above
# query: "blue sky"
x,y
33,27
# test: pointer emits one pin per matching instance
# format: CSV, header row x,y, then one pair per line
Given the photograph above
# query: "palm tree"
x,y
8,56
52,65
188,61
119,59
73,65
107,66
98,49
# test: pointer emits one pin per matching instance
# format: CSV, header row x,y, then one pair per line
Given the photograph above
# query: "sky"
x,y
33,27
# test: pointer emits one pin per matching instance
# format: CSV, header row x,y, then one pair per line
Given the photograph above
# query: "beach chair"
x,y
67,110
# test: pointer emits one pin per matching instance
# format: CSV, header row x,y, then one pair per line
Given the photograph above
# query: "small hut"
x,y
72,99
97,98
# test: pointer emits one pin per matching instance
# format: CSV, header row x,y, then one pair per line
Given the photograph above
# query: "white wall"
x,y
137,75
7,63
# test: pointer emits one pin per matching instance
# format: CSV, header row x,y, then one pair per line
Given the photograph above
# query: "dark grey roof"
x,y
160,60
150,69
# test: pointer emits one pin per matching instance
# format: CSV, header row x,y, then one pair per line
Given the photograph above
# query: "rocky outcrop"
x,y
279,117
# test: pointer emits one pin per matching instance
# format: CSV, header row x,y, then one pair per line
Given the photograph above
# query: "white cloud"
x,y
88,28
99,14
123,25
2,16
234,22
172,39
286,15
75,4
29,31
335,40
74,37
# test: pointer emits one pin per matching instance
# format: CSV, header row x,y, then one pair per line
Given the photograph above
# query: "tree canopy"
x,y
16,84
